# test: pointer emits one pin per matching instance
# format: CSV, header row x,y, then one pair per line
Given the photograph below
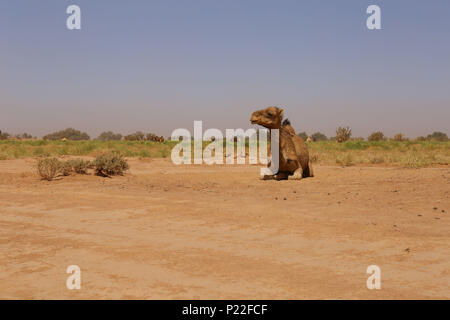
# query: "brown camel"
x,y
294,156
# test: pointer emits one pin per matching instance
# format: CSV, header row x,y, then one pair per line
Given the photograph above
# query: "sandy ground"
x,y
201,232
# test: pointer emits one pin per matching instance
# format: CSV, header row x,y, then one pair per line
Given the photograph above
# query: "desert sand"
x,y
218,232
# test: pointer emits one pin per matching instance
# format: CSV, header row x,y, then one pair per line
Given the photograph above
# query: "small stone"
x,y
435,208
284,198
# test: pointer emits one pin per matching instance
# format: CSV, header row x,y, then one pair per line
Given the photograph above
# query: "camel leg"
x,y
298,174
281,176
311,173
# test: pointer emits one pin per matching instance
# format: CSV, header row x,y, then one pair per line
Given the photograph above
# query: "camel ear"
x,y
280,112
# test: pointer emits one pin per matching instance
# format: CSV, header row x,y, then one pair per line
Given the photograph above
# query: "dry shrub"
x,y
414,161
314,157
343,134
110,164
346,160
80,166
65,168
376,159
48,168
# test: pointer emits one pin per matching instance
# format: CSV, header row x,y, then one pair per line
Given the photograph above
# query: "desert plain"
x,y
163,231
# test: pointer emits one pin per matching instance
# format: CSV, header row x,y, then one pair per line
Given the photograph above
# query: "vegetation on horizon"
x,y
412,154
404,153
342,134
342,149
69,134
109,136
14,149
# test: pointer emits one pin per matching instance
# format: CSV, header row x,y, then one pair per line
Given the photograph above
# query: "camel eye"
x,y
270,114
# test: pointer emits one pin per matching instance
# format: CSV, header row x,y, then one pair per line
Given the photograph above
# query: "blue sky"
x,y
159,65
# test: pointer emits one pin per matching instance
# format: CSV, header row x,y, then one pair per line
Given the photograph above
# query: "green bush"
x,y
48,168
376,136
437,136
24,136
354,145
137,136
319,136
69,133
110,164
4,135
109,136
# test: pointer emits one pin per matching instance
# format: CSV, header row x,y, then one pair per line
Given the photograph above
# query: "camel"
x,y
294,161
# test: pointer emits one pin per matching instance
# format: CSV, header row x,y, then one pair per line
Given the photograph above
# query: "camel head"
x,y
270,117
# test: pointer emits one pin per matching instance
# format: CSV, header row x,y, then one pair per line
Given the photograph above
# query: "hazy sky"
x,y
159,65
